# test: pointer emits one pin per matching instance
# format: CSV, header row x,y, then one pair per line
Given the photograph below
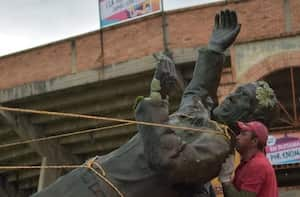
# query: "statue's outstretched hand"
x,y
225,31
166,76
227,169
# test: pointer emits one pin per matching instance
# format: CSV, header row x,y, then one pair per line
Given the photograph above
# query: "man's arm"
x,y
225,176
230,191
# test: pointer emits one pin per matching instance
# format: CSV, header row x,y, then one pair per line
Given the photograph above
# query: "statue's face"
x,y
237,106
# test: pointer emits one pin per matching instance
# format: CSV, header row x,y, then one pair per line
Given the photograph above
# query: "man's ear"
x,y
255,141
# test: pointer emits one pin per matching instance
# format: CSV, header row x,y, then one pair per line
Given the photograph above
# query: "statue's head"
x,y
252,101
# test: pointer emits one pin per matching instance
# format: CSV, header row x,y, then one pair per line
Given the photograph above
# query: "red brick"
x,y
88,50
295,14
35,65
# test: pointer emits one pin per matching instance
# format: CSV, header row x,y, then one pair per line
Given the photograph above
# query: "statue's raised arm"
x,y
208,68
188,156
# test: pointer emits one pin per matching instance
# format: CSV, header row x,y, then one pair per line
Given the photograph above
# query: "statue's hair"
x,y
267,108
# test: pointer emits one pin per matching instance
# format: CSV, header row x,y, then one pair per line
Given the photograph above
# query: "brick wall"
x,y
295,14
35,65
187,28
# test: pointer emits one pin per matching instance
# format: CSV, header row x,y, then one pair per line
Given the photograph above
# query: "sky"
x,y
30,23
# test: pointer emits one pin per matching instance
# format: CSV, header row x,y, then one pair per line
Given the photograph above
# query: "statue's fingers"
x,y
233,18
173,69
222,19
173,78
227,18
236,30
217,21
160,65
171,83
165,67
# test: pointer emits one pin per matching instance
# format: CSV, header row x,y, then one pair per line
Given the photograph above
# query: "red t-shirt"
x,y
256,175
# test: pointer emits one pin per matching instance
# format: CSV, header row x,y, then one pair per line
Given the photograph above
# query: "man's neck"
x,y
249,154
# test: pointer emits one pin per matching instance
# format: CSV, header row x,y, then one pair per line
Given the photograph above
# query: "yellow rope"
x,y
225,128
63,135
97,118
90,162
40,167
127,122
108,182
88,165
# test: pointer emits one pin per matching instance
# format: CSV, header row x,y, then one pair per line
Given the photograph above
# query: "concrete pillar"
x,y
47,176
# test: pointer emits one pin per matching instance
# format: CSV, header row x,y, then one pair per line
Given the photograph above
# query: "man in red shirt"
x,y
255,175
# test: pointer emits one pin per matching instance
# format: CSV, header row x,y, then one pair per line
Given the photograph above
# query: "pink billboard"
x,y
117,11
284,148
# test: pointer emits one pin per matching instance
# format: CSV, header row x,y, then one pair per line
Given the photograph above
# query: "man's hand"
x,y
225,31
227,169
166,76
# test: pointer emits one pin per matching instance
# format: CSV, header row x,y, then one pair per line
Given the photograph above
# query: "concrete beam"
x,y
72,125
53,151
83,78
108,107
6,189
107,72
5,131
102,146
97,92
15,154
22,175
107,134
29,185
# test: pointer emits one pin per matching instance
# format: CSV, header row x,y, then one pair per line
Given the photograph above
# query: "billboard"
x,y
284,148
116,11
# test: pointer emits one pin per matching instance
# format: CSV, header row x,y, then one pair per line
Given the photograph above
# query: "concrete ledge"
x,y
109,72
249,54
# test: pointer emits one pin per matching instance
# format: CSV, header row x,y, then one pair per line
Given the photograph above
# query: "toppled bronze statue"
x,y
164,162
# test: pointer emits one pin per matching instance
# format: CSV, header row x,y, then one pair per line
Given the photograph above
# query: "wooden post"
x,y
47,176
